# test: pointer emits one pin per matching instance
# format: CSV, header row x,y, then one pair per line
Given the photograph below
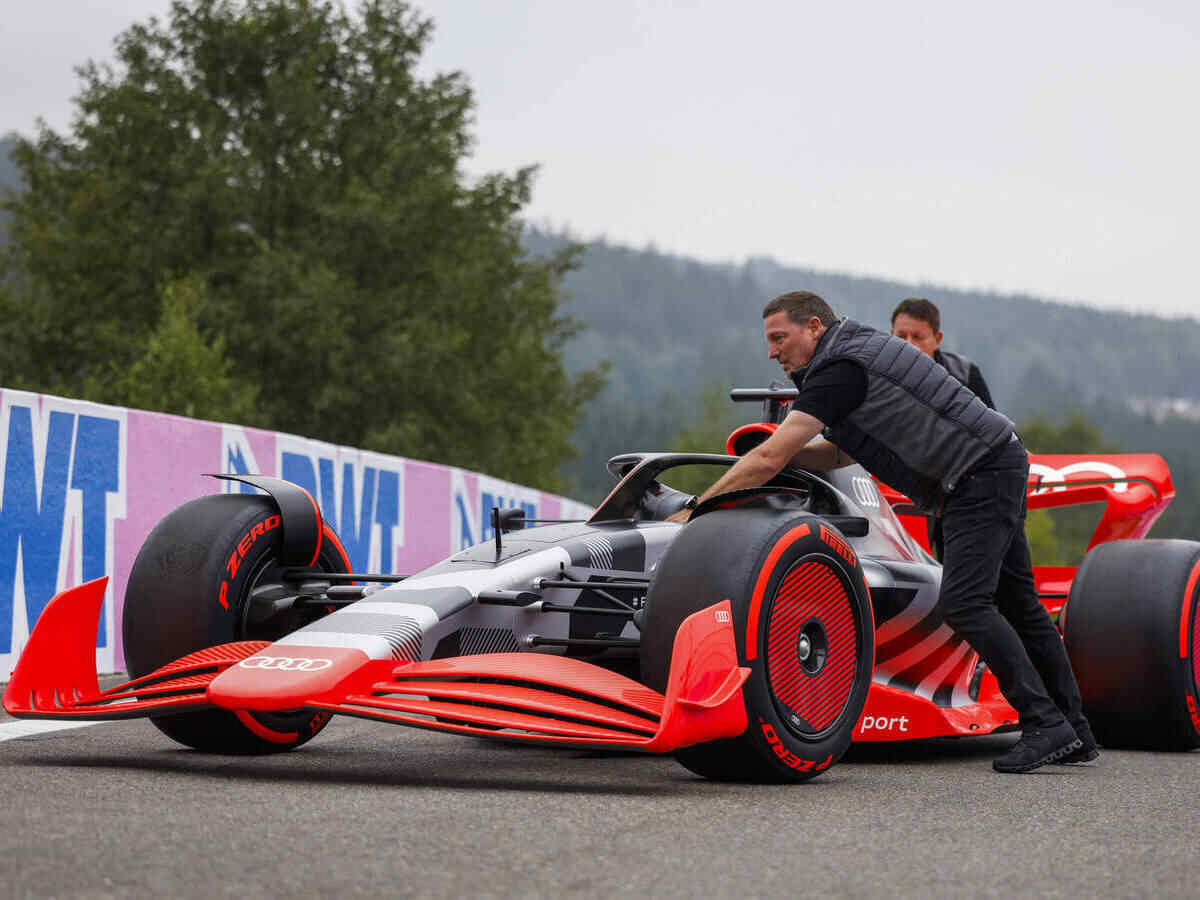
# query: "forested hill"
x,y
690,322
674,327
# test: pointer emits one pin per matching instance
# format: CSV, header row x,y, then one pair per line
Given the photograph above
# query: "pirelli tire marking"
x,y
245,542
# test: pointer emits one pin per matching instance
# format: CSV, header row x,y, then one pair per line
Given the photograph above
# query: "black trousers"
x,y
989,598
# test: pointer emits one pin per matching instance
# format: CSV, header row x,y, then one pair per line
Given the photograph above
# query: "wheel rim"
x,y
259,620
812,647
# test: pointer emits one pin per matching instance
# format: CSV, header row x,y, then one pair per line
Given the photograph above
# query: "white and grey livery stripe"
x,y
373,645
379,628
600,551
405,638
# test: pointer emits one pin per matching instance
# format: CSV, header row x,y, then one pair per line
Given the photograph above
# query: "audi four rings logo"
x,y
864,491
1103,469
289,663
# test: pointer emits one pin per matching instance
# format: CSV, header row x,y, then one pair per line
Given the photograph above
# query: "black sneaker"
x,y
1037,747
1086,753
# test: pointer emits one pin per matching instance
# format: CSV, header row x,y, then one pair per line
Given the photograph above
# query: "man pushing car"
x,y
884,404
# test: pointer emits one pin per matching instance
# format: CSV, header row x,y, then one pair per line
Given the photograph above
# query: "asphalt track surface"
x,y
118,810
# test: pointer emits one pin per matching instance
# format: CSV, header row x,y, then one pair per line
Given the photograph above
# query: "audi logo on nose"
x,y
288,663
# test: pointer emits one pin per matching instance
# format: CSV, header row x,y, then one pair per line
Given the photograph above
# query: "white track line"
x,y
28,728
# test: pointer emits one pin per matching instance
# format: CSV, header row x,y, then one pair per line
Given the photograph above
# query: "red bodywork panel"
x,y
518,696
892,714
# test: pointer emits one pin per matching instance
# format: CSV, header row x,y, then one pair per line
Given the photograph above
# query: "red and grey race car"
x,y
755,643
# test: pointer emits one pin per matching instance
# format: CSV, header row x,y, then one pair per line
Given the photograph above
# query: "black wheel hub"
x,y
812,647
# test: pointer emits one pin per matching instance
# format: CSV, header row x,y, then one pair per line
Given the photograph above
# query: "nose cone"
x,y
284,677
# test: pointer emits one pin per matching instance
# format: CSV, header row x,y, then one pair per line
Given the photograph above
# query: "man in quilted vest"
x,y
868,397
919,322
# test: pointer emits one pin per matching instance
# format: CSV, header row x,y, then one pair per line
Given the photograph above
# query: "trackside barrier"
x,y
82,484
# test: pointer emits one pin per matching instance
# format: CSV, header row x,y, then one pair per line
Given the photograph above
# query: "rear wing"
x,y
1134,487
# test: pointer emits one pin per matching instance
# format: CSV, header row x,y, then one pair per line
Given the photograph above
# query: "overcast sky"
x,y
1042,147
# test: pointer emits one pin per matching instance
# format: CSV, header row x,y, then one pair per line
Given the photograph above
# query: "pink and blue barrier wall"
x,y
81,485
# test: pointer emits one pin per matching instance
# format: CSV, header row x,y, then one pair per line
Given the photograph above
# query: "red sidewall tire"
x,y
802,615
188,589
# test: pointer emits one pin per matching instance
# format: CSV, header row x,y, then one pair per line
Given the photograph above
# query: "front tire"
x,y
1131,630
190,588
803,623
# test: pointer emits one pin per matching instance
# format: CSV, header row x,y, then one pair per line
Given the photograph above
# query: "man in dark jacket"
x,y
919,322
879,401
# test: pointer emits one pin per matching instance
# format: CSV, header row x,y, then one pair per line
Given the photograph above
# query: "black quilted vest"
x,y
918,429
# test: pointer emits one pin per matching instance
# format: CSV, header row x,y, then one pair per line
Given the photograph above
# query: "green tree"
x,y
705,433
707,430
286,153
1076,434
184,371
1043,542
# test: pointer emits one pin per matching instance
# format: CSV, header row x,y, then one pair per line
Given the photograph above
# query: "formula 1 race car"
x,y
755,643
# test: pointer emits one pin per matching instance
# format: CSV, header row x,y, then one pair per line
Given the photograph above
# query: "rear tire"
x,y
185,594
1131,630
800,601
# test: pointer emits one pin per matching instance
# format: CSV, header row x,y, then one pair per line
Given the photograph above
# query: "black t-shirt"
x,y
835,391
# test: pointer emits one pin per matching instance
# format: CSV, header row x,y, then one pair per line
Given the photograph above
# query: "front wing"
x,y
531,697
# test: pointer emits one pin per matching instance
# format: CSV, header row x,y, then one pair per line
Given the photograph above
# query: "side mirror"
x,y
506,520
510,519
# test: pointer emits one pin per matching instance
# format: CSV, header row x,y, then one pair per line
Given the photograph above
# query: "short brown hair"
x,y
801,306
921,309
